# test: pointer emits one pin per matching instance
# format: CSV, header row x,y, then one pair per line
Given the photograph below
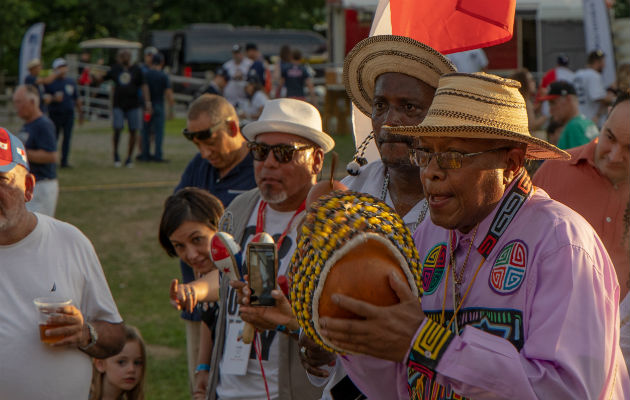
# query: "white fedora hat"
x,y
292,116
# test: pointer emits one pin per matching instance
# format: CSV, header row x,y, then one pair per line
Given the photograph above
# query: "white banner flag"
x,y
362,124
597,35
31,47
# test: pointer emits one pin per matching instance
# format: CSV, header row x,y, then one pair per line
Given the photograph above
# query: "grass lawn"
x,y
119,210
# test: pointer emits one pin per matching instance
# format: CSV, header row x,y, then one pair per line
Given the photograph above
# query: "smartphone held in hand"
x,y
262,264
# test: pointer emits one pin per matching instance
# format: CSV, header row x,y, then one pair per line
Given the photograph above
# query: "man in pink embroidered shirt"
x,y
520,297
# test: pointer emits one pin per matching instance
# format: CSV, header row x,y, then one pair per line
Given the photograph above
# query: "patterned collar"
x,y
485,224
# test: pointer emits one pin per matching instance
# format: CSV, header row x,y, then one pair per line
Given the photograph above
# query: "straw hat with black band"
x,y
480,106
381,54
378,55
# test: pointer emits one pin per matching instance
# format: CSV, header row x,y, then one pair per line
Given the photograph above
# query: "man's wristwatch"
x,y
93,337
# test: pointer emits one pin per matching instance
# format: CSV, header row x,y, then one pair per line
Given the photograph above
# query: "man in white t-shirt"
x,y
288,146
40,257
237,68
560,72
589,85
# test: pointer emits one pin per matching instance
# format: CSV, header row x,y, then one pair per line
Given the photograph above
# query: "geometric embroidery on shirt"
x,y
422,384
507,213
508,270
508,209
432,341
433,268
505,323
419,378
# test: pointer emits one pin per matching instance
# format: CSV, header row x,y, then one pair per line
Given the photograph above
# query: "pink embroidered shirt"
x,y
541,319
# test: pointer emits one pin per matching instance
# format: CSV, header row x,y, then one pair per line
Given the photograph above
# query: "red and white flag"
x,y
449,26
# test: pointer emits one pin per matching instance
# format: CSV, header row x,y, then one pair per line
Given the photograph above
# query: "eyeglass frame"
x,y
271,148
205,133
413,158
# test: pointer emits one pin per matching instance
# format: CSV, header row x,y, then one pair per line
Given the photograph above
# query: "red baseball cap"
x,y
12,151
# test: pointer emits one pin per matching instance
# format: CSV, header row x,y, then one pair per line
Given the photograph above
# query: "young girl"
x,y
121,377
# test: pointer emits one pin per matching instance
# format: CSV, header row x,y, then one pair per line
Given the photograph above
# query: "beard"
x,y
272,196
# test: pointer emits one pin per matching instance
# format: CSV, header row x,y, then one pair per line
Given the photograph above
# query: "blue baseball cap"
x,y
563,60
12,151
157,59
222,72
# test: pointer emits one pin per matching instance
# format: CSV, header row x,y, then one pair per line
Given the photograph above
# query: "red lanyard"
x,y
260,221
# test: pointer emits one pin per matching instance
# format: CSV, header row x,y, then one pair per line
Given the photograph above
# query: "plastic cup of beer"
x,y
48,307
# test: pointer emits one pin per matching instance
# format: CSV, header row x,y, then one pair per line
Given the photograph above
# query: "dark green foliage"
x,y
69,22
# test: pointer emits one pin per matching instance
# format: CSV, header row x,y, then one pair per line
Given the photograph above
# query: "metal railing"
x,y
96,101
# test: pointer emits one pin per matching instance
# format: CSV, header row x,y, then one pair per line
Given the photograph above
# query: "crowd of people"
x,y
142,97
570,107
525,272
248,80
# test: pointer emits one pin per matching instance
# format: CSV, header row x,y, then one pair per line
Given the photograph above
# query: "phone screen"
x,y
261,262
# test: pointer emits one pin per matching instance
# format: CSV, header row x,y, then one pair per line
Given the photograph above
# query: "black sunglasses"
x,y
282,152
205,134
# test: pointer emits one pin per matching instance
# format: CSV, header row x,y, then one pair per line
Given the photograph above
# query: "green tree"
x,y
69,22
14,21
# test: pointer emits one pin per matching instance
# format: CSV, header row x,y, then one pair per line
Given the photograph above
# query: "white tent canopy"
x,y
109,43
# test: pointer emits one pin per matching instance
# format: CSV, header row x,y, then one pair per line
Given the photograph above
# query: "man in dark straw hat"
x,y
392,80
520,297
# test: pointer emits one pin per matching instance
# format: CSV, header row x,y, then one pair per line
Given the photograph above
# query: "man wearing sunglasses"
x,y
288,146
224,168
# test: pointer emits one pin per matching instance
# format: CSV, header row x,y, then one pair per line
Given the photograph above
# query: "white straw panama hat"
x,y
480,106
377,55
291,116
35,62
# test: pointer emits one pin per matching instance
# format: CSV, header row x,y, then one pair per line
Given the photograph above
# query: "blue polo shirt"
x,y
259,68
40,135
201,174
158,82
69,89
294,78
